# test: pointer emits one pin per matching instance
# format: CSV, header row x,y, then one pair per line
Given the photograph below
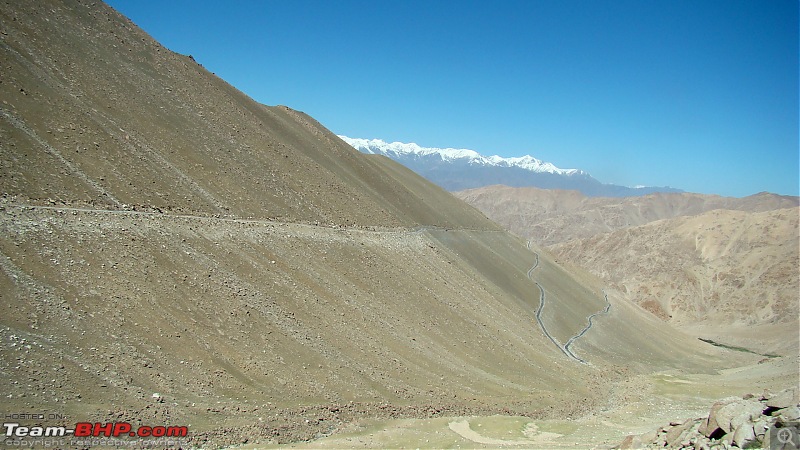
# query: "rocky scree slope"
x,y
767,420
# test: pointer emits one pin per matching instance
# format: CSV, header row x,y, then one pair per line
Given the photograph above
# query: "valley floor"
x,y
638,405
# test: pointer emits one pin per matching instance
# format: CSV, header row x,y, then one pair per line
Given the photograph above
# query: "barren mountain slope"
x,y
229,320
95,112
552,216
172,252
721,272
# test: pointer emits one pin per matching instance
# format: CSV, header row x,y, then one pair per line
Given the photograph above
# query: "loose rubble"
x,y
732,422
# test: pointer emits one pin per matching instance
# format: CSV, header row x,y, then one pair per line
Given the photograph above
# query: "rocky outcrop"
x,y
733,422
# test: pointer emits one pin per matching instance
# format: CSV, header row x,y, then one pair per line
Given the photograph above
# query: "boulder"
x,y
743,435
632,441
650,436
635,441
710,425
726,440
783,399
676,434
703,427
732,415
733,422
761,427
789,414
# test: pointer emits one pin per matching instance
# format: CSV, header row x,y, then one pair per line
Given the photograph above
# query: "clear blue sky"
x,y
701,95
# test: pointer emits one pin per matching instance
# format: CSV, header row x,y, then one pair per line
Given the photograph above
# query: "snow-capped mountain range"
x,y
458,169
399,149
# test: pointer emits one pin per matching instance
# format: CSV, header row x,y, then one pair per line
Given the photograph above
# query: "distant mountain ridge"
x,y
550,217
459,169
720,267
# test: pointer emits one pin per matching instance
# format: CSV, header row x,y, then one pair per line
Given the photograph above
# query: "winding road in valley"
x,y
541,306
574,338
565,349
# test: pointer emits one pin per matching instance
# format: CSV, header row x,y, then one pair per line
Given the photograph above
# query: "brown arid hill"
x,y
95,113
725,275
174,253
720,268
552,216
